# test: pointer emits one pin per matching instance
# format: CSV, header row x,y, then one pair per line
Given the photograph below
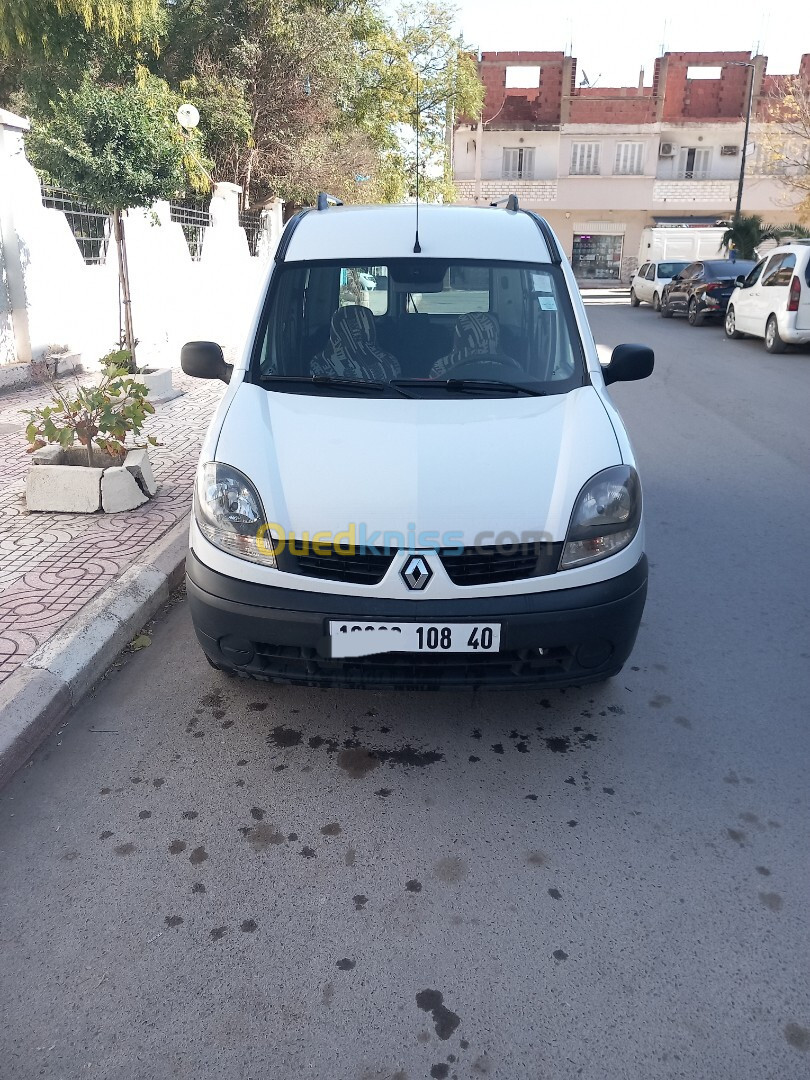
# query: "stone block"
x,y
53,454
137,462
69,489
120,491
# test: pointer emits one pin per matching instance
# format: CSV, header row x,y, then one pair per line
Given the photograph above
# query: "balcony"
x,y
688,192
528,191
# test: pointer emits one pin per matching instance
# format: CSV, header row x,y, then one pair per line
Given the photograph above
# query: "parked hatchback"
x,y
438,492
650,279
773,301
701,291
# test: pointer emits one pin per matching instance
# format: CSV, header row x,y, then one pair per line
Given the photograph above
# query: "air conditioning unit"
x,y
666,149
729,151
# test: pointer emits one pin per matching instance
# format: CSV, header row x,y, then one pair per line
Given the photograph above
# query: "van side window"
x,y
780,270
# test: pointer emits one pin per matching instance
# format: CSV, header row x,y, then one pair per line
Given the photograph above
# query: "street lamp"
x,y
741,181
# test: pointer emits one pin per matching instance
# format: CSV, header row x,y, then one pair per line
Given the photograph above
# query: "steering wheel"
x,y
483,367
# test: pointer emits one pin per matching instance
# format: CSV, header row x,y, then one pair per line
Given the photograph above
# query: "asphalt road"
x,y
210,879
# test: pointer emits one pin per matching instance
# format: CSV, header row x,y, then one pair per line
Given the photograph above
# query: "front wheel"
x,y
656,302
634,300
773,342
731,326
665,310
693,315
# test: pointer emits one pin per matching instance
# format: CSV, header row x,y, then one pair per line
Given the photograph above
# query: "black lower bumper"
x,y
570,636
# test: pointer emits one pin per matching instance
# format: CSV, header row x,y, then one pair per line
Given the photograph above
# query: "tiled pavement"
x,y
51,565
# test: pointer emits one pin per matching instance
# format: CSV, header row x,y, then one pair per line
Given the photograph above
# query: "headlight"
x,y
606,517
229,513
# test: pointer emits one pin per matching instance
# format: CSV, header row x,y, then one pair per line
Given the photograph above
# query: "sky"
x,y
612,39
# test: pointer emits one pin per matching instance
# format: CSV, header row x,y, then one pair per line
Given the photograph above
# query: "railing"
x,y
90,227
193,217
251,222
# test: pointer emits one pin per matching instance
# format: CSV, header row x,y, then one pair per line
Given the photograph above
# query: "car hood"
x,y
462,466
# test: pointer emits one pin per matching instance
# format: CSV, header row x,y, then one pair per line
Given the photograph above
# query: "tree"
x,y
449,86
298,96
749,231
116,147
787,137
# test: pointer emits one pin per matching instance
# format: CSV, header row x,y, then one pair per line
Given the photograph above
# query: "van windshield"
x,y
418,327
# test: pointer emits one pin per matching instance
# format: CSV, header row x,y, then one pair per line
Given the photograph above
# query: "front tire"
x,y
730,325
634,300
693,315
773,342
665,311
656,303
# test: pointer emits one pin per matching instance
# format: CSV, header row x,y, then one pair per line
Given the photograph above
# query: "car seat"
x,y
477,334
352,352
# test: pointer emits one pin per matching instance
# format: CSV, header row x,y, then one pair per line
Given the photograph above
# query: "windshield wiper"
x,y
467,386
338,381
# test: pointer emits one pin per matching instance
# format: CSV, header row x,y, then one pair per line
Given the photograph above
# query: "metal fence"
x,y
251,222
193,217
90,227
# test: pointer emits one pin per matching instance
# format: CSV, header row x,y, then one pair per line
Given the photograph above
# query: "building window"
x,y
585,159
694,163
629,159
518,163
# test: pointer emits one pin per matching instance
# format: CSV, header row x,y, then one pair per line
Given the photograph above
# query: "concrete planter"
x,y
60,481
159,383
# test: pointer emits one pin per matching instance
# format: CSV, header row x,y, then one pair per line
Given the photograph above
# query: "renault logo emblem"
x,y
416,572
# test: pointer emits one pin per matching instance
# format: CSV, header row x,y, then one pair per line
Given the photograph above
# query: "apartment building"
x,y
602,163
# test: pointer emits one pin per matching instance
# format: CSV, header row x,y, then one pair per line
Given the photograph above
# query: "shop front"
x,y
597,255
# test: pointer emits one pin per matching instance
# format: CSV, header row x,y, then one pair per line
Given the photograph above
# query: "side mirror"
x,y
204,360
628,363
740,281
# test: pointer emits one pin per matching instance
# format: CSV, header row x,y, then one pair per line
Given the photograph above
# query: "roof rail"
x,y
548,236
510,202
325,201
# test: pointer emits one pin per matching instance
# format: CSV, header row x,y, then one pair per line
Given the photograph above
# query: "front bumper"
x,y
586,634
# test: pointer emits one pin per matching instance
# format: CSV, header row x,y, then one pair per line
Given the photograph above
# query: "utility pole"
x,y
741,181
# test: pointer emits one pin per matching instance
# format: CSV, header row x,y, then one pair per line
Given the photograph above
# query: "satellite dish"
x,y
188,117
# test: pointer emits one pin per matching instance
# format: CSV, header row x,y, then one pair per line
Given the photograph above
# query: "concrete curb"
x,y
42,691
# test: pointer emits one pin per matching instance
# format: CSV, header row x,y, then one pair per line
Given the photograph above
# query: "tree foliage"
x,y
749,231
117,147
28,26
787,138
295,96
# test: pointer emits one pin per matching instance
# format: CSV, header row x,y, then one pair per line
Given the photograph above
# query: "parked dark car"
x,y
701,291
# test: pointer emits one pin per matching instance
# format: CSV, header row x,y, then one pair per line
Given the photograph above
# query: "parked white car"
x,y
650,279
773,301
436,493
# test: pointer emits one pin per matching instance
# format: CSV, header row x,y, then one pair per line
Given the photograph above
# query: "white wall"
x,y
174,298
545,144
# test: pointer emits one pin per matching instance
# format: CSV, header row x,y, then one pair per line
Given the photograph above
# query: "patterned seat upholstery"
x,y
477,334
352,352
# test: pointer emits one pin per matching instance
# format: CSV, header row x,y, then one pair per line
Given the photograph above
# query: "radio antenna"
x,y
417,247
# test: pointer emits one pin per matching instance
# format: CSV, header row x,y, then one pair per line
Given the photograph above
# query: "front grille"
x,y
470,566
518,667
489,565
361,567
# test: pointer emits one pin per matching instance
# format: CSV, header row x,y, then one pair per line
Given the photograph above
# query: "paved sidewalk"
x,y
52,565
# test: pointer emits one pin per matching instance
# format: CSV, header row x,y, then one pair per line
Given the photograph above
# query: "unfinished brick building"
x,y
601,163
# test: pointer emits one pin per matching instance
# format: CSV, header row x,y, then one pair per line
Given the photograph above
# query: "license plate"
x,y
364,637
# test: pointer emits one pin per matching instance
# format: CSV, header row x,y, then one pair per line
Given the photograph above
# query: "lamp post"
x,y
741,181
